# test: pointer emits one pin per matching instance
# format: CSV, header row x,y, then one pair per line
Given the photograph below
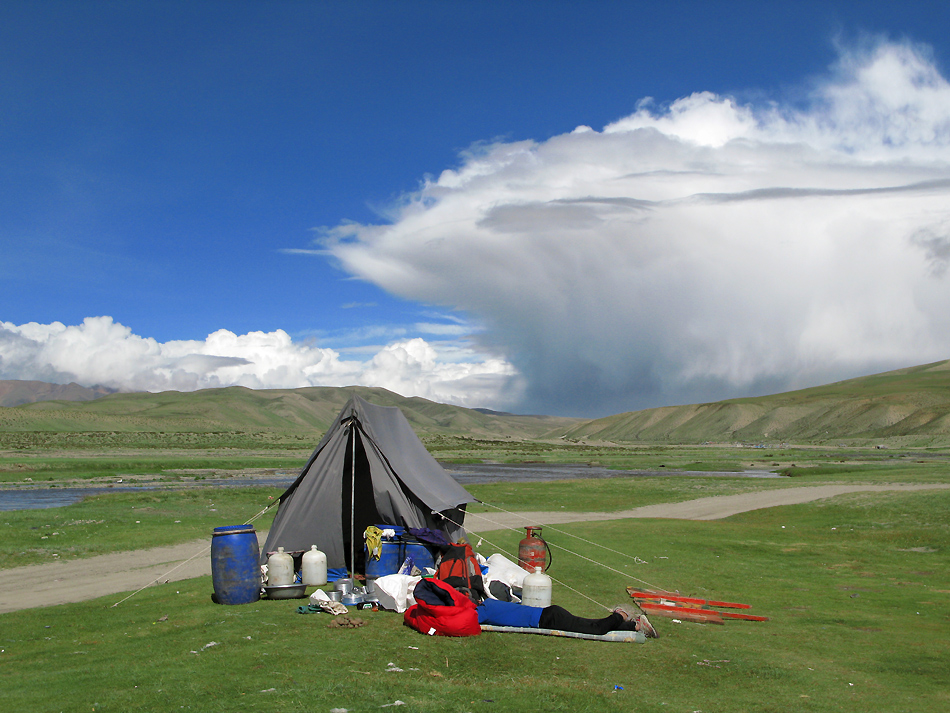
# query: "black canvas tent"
x,y
370,468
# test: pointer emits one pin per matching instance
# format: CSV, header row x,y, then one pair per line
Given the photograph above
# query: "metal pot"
x,y
286,591
352,599
343,585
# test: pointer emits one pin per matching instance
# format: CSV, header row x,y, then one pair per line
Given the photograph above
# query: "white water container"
x,y
536,590
313,567
280,568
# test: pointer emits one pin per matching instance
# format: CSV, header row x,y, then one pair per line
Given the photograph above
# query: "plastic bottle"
x,y
280,568
536,590
313,568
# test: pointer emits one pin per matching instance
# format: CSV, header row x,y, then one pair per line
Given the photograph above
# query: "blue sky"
x,y
174,169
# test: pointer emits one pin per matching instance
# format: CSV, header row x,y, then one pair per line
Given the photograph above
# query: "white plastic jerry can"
x,y
536,590
313,568
280,568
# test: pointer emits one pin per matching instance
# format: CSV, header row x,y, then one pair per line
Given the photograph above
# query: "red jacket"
x,y
442,609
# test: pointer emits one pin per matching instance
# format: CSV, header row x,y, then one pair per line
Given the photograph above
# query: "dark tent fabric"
x,y
395,481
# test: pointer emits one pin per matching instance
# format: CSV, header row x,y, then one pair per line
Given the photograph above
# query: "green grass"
x,y
624,493
857,589
151,439
55,465
107,523
610,494
799,460
118,522
58,469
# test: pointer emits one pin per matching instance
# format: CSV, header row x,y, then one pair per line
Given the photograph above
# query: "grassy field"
x,y
124,521
119,522
87,459
102,469
857,590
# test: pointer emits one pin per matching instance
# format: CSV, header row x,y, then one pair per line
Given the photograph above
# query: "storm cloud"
x,y
696,251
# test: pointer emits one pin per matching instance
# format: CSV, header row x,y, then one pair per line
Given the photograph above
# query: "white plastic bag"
x,y
504,570
394,591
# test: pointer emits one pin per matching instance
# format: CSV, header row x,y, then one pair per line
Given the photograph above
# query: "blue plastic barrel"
x,y
390,559
421,554
235,568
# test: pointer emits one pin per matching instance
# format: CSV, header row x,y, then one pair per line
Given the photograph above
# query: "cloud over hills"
x,y
696,251
101,351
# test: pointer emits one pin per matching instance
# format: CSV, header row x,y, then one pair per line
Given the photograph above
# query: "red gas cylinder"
x,y
533,551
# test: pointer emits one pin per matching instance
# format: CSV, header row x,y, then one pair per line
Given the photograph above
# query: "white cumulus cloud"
x,y
101,351
696,251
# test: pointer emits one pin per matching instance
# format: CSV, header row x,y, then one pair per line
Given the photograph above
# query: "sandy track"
x,y
713,508
78,580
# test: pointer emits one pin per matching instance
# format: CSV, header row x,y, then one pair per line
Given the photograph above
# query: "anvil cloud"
x,y
701,250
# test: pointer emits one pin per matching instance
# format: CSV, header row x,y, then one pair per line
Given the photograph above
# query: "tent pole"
x,y
353,501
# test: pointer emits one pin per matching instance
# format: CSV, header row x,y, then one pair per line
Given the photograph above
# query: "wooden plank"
x,y
702,616
747,617
674,610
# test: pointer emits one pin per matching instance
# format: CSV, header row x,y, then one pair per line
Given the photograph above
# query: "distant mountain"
x,y
15,393
912,404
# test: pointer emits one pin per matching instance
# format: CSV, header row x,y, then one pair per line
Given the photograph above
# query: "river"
x,y
37,497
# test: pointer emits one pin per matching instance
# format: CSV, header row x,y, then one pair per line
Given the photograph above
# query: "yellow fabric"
x,y
374,541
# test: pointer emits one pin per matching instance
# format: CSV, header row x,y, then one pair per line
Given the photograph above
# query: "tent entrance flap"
x,y
359,503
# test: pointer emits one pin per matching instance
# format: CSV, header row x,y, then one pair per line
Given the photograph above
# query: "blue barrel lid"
x,y
233,529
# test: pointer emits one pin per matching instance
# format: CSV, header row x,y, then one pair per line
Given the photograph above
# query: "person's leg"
x,y
555,617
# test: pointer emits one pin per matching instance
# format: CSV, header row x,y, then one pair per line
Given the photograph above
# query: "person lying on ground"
x,y
447,611
501,613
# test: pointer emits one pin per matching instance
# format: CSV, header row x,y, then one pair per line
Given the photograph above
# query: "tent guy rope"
x,y
633,558
203,551
560,547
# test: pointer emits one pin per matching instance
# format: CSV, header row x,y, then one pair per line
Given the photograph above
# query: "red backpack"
x,y
459,568
442,609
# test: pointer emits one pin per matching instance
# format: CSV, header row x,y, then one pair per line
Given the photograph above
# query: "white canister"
x,y
313,567
280,568
536,590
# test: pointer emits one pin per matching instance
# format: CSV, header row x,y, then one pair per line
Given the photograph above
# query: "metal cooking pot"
x,y
352,598
286,591
343,585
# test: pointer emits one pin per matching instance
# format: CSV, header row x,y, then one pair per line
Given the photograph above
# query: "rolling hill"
x,y
289,411
912,402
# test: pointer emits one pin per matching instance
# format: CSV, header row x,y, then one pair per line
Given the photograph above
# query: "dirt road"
x,y
82,579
